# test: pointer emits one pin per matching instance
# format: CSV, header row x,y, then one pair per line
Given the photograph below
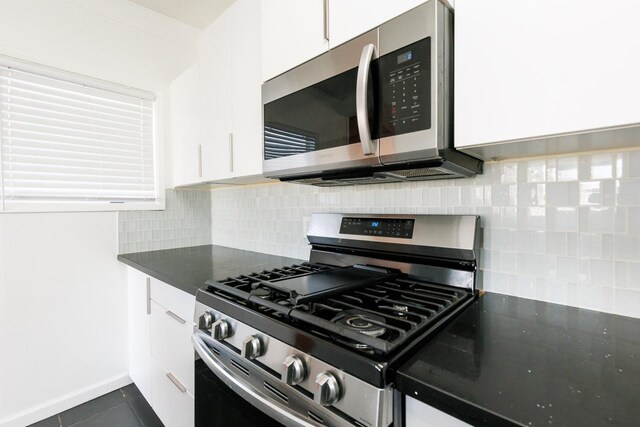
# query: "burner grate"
x,y
395,309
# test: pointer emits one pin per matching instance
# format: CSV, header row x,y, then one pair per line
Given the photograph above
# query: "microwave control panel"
x,y
405,80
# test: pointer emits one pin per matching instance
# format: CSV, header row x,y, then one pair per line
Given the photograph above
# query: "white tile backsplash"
x,y
186,221
563,229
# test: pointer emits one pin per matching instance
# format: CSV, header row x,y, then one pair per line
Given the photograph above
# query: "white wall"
x,y
562,229
62,292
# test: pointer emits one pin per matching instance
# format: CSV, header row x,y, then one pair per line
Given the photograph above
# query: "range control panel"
x,y
381,227
405,79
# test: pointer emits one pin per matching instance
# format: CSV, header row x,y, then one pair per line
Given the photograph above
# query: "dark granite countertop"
x,y
513,361
188,268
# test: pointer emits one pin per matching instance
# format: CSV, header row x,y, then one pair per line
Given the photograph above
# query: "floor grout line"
x,y
59,419
136,414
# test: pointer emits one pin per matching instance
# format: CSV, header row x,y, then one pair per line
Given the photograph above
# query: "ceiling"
x,y
197,13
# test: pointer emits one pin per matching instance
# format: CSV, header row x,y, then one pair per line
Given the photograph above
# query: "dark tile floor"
x,y
125,407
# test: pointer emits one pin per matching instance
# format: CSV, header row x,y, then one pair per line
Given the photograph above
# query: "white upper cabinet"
x,y
246,81
350,18
215,97
185,131
532,69
217,105
293,31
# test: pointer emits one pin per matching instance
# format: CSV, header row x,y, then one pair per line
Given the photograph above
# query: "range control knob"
x,y
327,389
251,347
295,370
206,320
221,329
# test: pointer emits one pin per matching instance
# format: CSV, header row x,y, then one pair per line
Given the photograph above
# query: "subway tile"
x,y
567,269
627,247
602,166
634,163
627,302
633,220
627,193
536,171
504,195
567,168
633,275
566,219
557,243
602,273
562,194
601,220
584,271
621,274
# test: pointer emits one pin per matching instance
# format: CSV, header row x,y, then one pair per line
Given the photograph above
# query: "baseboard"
x,y
64,402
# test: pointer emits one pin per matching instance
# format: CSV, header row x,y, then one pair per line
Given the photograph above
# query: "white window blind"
x,y
67,142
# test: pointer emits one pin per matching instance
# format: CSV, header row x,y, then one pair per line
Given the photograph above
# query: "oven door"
x,y
218,405
230,393
320,115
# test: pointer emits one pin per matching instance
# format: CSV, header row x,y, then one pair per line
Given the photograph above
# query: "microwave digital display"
x,y
404,57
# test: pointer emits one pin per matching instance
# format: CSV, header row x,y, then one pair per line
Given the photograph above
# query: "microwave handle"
x,y
368,53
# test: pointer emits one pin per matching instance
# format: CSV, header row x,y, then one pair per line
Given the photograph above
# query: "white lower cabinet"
x,y
418,414
174,407
139,331
161,356
171,344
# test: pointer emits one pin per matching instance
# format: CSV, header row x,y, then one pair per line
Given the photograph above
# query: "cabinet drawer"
x,y
171,344
179,302
174,407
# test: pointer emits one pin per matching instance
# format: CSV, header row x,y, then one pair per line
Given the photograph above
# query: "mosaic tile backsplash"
x,y
560,229
186,221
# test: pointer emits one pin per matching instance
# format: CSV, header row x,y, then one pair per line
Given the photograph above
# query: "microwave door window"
x,y
315,118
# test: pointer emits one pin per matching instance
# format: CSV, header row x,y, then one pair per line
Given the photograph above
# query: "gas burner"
x,y
365,323
261,293
396,309
364,348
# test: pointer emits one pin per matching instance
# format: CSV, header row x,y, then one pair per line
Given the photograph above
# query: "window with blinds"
x,y
67,142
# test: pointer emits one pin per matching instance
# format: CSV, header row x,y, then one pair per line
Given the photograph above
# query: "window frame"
x,y
7,207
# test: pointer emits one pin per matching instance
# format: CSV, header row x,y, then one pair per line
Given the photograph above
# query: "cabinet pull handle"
x,y
231,152
200,160
175,317
177,383
148,295
326,20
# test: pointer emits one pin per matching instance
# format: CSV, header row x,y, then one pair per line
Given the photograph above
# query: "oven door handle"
x,y
276,411
369,52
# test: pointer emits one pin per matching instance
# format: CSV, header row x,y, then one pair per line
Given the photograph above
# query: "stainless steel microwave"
x,y
378,108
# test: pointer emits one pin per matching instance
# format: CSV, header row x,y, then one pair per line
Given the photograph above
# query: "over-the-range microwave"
x,y
378,108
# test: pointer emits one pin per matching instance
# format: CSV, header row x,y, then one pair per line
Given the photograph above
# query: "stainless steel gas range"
x,y
316,344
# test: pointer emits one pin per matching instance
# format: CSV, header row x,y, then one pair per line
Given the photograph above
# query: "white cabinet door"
x,y
246,102
293,32
139,332
171,343
185,127
525,69
350,18
174,407
418,414
215,89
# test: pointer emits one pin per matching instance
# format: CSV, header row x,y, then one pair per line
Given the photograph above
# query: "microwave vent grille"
x,y
422,173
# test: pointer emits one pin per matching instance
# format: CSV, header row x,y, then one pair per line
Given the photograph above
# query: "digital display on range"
x,y
384,227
